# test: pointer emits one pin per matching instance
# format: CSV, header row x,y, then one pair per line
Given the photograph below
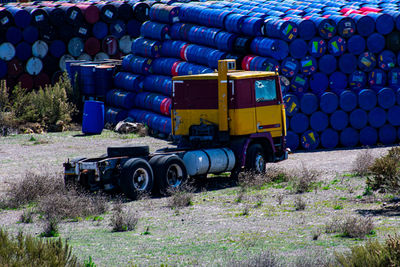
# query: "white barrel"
x,y
76,46
85,56
125,44
64,58
7,51
205,161
40,49
34,66
101,56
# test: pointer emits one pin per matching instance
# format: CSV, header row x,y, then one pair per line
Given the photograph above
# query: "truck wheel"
x,y
136,177
255,158
170,172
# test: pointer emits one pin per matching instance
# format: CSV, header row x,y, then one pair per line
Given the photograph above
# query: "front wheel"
x,y
136,178
255,159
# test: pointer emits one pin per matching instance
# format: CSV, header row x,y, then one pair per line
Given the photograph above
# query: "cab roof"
x,y
232,75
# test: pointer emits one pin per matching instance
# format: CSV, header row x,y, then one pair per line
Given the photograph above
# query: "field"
x,y
225,223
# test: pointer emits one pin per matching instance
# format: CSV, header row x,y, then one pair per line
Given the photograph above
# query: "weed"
x,y
259,201
264,259
27,216
363,162
316,234
368,191
50,227
279,198
337,207
299,203
241,195
304,180
353,227
245,211
89,263
147,231
272,175
180,196
121,220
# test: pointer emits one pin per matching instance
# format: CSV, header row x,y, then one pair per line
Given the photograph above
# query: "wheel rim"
x,y
260,163
140,179
174,175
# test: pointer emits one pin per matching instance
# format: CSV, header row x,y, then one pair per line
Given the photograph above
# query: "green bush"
x,y
25,250
373,253
386,172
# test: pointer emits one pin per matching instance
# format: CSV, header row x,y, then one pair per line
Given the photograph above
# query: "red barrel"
x,y
14,68
41,80
26,81
110,45
92,46
90,12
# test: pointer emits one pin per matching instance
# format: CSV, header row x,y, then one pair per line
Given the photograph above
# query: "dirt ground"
x,y
213,230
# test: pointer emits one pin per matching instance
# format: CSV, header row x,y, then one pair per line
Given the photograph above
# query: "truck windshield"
x,y
265,90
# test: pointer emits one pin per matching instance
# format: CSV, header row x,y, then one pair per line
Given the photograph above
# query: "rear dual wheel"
x,y
136,178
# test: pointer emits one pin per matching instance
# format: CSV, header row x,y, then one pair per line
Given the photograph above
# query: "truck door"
x,y
268,106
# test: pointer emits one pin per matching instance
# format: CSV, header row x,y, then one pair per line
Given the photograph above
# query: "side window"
x,y
265,90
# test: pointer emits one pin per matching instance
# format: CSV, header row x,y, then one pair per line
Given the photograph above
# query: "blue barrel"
x,y
213,17
214,57
357,80
317,47
377,117
329,138
376,43
30,34
365,24
306,28
57,48
319,83
115,115
393,115
298,48
299,84
308,65
349,137
383,22
86,77
172,48
386,60
347,100
13,35
339,120
346,26
336,46
158,83
367,99
133,27
292,104
22,18
289,67
197,54
338,82
274,48
155,30
356,45
282,29
146,47
93,117
233,22
387,134
310,140
164,66
368,136
202,35
23,51
225,41
358,118
185,68
118,28
122,99
319,121
394,78
103,79
128,81
299,123
253,26
377,79
329,102
348,63
386,98
3,68
325,27
327,64
292,140
137,64
309,103
398,96
366,61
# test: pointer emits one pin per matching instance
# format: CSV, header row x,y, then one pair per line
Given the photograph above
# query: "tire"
x,y
136,177
255,159
169,172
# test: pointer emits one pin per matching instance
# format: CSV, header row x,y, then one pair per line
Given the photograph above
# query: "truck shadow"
x,y
214,183
389,210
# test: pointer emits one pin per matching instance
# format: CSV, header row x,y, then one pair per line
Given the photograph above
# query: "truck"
x,y
227,121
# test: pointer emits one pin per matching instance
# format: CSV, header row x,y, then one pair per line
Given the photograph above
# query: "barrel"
x,y
387,134
7,51
358,118
233,22
14,68
329,102
365,24
299,123
346,26
306,28
115,115
201,35
386,60
158,83
73,14
121,99
13,35
326,27
281,29
155,30
253,26
368,136
83,30
383,22
101,56
26,81
118,28
128,81
57,16
146,47
319,121
103,79
137,64
386,98
377,117
164,13
292,140
23,51
327,64
393,115
329,138
164,66
366,61
22,18
172,48
109,45
367,99
40,49
141,11
376,43
125,11
63,59
57,48
357,80
100,30
75,46
298,48
338,82
34,66
349,137
225,41
290,67
337,46
108,12
339,120
90,12
347,100
133,28
393,41
317,47
377,79
87,81
356,45
299,84
398,96
39,16
93,117
310,140
213,17
308,65
30,34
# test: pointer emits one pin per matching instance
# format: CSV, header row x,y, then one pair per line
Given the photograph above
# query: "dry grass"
x,y
181,196
123,220
363,162
304,179
27,216
264,259
353,227
299,203
273,174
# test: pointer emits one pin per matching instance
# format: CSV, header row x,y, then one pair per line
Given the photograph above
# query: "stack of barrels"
x,y
338,60
38,37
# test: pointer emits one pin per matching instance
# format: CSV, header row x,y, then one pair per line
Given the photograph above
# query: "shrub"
x,y
255,180
304,180
27,216
299,203
25,250
181,196
50,227
386,172
264,259
363,162
121,220
353,227
279,198
373,253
